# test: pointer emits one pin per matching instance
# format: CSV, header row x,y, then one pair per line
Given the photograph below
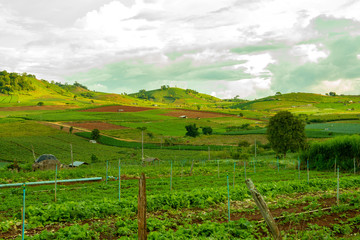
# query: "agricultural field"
x,y
195,190
183,203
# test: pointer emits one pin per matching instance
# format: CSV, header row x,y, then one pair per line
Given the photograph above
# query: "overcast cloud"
x,y
223,47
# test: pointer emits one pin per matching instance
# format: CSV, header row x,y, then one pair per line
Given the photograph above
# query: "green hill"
x,y
309,103
26,90
178,96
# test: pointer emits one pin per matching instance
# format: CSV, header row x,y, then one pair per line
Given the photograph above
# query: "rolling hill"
x,y
177,96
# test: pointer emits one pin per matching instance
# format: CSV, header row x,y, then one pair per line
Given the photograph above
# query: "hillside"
x,y
26,90
178,96
307,103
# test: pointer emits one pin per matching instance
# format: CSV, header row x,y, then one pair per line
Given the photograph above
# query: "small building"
x,y
77,164
46,162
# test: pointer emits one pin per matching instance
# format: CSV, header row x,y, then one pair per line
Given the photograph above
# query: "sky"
x,y
225,48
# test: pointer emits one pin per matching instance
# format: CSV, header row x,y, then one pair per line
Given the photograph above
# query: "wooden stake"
x,y
33,152
337,188
55,181
71,152
192,165
142,234
259,200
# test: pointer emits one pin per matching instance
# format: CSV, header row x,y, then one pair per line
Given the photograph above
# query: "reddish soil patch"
x,y
93,125
36,108
196,114
117,108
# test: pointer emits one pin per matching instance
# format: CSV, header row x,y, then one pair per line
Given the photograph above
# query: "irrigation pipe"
x,y
51,182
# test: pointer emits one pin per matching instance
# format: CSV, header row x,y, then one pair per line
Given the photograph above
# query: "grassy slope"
x,y
178,96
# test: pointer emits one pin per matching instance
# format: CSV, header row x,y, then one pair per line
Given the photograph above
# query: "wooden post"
x,y
119,181
71,153
259,200
337,188
55,181
192,165
142,145
354,167
234,175
209,152
33,152
142,234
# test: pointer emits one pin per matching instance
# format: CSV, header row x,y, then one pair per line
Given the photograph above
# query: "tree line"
x,y
12,82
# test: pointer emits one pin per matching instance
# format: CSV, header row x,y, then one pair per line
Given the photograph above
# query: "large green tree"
x,y
286,132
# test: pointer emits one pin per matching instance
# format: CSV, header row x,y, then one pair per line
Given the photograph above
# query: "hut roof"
x,y
77,163
45,157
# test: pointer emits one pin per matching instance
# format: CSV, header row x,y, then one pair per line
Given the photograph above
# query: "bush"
x,y
207,130
244,143
40,104
95,134
192,130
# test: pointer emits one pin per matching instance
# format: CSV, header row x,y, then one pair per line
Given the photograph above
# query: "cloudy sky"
x,y
220,47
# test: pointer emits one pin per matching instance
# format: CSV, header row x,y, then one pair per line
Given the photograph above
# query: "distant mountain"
x,y
170,95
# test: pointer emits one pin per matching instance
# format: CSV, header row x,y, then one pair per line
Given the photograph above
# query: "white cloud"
x,y
202,31
309,53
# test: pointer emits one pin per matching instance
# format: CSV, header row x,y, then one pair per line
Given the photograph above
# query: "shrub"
x,y
192,130
207,130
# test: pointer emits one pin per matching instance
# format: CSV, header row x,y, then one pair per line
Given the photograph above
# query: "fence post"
x,y
245,169
308,171
228,190
107,165
55,181
119,180
23,215
171,176
299,166
259,200
354,167
192,165
337,188
142,234
234,175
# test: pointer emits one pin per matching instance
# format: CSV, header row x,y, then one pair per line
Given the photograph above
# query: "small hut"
x,y
45,162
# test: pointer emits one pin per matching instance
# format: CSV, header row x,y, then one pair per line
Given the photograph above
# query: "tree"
x,y
207,130
71,129
192,130
95,134
286,132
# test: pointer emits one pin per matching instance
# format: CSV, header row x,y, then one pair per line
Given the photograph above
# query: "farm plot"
x,y
183,205
118,108
93,125
196,114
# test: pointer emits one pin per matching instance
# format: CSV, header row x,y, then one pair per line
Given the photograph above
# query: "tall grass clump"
x,y
340,150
